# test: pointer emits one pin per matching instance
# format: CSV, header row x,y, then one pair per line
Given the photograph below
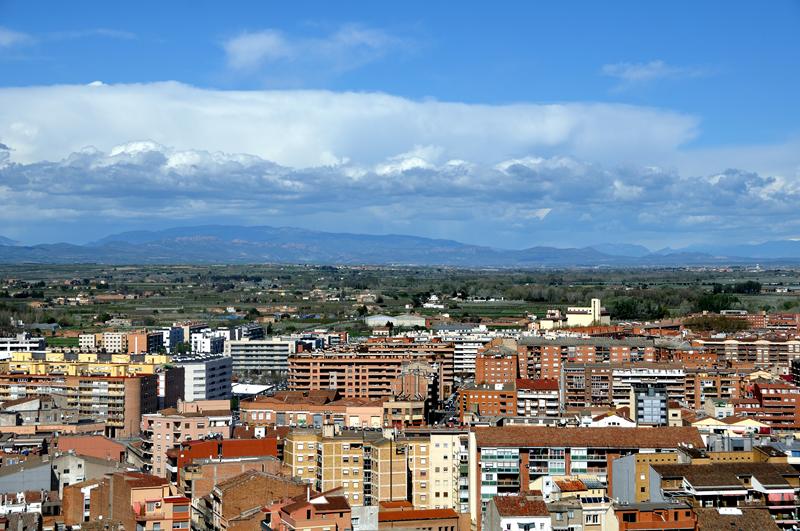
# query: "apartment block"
x,y
497,364
271,354
368,467
115,342
610,384
119,402
538,398
542,358
437,468
170,427
23,342
356,374
206,376
499,400
312,409
508,460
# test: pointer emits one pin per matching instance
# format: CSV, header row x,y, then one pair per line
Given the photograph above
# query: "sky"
x,y
511,124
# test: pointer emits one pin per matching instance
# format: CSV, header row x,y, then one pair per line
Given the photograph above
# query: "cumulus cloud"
x,y
9,38
145,181
348,47
311,128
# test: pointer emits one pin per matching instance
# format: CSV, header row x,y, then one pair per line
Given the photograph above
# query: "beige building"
x,y
368,467
438,470
115,342
189,421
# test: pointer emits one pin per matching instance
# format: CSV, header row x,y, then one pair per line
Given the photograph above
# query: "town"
x,y
568,418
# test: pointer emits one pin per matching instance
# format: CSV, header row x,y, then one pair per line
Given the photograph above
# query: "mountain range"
x,y
225,244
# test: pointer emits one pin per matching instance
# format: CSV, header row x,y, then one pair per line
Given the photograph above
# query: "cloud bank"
x,y
311,128
81,159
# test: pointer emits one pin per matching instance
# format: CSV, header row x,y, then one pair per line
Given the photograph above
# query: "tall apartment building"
x,y
542,359
434,351
369,468
171,337
364,374
170,427
758,351
497,364
438,468
510,459
269,355
607,384
206,376
716,383
465,350
118,401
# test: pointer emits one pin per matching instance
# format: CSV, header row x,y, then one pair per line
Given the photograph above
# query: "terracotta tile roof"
x,y
138,480
416,514
611,437
711,520
396,504
537,385
571,485
520,506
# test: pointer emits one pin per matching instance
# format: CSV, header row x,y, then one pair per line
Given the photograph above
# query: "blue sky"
x,y
514,125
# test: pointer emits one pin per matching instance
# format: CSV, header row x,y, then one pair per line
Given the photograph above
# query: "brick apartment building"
x,y
476,400
172,426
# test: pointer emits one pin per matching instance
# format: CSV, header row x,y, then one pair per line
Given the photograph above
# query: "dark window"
x,y
628,517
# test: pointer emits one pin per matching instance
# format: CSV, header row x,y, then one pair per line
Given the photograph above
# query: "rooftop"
x,y
610,437
520,506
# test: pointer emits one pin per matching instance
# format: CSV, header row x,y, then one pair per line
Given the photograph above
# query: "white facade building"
x,y
205,376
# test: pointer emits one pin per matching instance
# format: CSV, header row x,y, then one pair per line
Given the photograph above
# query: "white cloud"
x,y
310,128
9,37
145,181
635,73
348,47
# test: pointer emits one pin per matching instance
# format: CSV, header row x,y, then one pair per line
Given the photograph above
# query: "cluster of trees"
x,y
750,287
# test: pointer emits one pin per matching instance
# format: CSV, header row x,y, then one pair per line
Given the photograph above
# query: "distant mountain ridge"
x,y
7,241
220,244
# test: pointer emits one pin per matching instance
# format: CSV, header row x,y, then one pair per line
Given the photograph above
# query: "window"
x,y
592,519
628,517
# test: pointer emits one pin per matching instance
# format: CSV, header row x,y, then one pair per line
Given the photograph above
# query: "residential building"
x,y
268,355
22,342
170,427
236,503
497,364
144,342
138,501
208,341
119,401
537,398
327,511
311,409
369,467
115,342
476,400
509,459
206,376
517,513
